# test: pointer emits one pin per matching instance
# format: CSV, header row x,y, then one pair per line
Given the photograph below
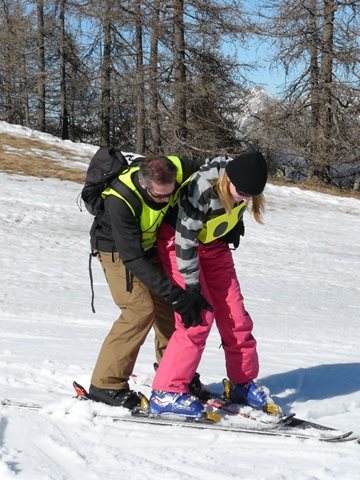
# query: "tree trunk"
x,y
64,117
314,78
154,113
106,80
326,78
180,72
139,82
41,74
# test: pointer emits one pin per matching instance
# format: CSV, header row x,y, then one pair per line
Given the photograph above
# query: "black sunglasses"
x,y
160,195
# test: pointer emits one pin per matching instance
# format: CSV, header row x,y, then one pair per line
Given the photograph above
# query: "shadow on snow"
x,y
313,383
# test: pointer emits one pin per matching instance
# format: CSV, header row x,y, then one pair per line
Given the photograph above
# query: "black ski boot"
x,y
117,398
198,389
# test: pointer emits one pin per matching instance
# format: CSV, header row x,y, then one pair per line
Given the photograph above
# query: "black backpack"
x,y
103,170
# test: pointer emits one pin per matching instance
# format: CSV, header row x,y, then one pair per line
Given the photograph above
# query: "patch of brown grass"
x,y
316,186
35,165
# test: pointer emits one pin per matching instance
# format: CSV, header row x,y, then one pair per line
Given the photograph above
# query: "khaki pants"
x,y
140,310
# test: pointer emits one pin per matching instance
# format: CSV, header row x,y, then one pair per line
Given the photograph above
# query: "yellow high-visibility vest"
x,y
219,226
150,219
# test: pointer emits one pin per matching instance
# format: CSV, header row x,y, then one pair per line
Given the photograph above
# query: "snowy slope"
x,y
300,275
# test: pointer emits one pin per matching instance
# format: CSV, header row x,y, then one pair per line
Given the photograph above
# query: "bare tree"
x,y
320,39
327,115
41,67
154,114
180,72
64,115
139,81
106,77
16,75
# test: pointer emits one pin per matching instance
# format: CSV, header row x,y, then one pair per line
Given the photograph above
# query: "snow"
x,y
300,276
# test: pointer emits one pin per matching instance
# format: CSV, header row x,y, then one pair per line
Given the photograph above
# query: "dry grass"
x,y
24,161
316,186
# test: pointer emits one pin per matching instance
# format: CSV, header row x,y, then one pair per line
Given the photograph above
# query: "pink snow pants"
x,y
221,288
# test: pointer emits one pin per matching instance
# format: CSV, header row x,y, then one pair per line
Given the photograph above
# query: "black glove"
x,y
189,305
202,302
233,236
186,305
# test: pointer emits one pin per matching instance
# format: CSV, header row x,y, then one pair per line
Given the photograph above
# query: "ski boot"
x,y
117,398
252,394
175,403
196,388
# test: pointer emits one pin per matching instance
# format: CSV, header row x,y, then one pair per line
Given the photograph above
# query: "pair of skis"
x,y
285,426
288,425
219,419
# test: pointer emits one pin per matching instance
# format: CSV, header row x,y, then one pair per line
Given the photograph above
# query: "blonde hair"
x,y
222,185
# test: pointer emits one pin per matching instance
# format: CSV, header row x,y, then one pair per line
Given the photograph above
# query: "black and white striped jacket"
x,y
199,203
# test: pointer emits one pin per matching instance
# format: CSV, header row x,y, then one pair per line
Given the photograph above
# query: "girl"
x,y
197,257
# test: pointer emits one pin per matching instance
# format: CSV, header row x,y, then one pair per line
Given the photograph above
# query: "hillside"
x,y
25,152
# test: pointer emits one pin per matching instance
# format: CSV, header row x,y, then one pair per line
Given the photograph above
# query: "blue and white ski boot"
x,y
252,394
175,403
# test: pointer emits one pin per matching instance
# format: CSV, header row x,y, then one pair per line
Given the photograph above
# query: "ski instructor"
x,y
123,238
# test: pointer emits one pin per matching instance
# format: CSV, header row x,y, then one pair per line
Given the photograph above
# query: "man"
x,y
123,238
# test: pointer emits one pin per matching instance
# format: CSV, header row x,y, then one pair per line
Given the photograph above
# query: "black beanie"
x,y
248,172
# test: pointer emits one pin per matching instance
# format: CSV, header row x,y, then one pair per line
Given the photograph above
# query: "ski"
x,y
290,420
284,427
140,417
16,404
